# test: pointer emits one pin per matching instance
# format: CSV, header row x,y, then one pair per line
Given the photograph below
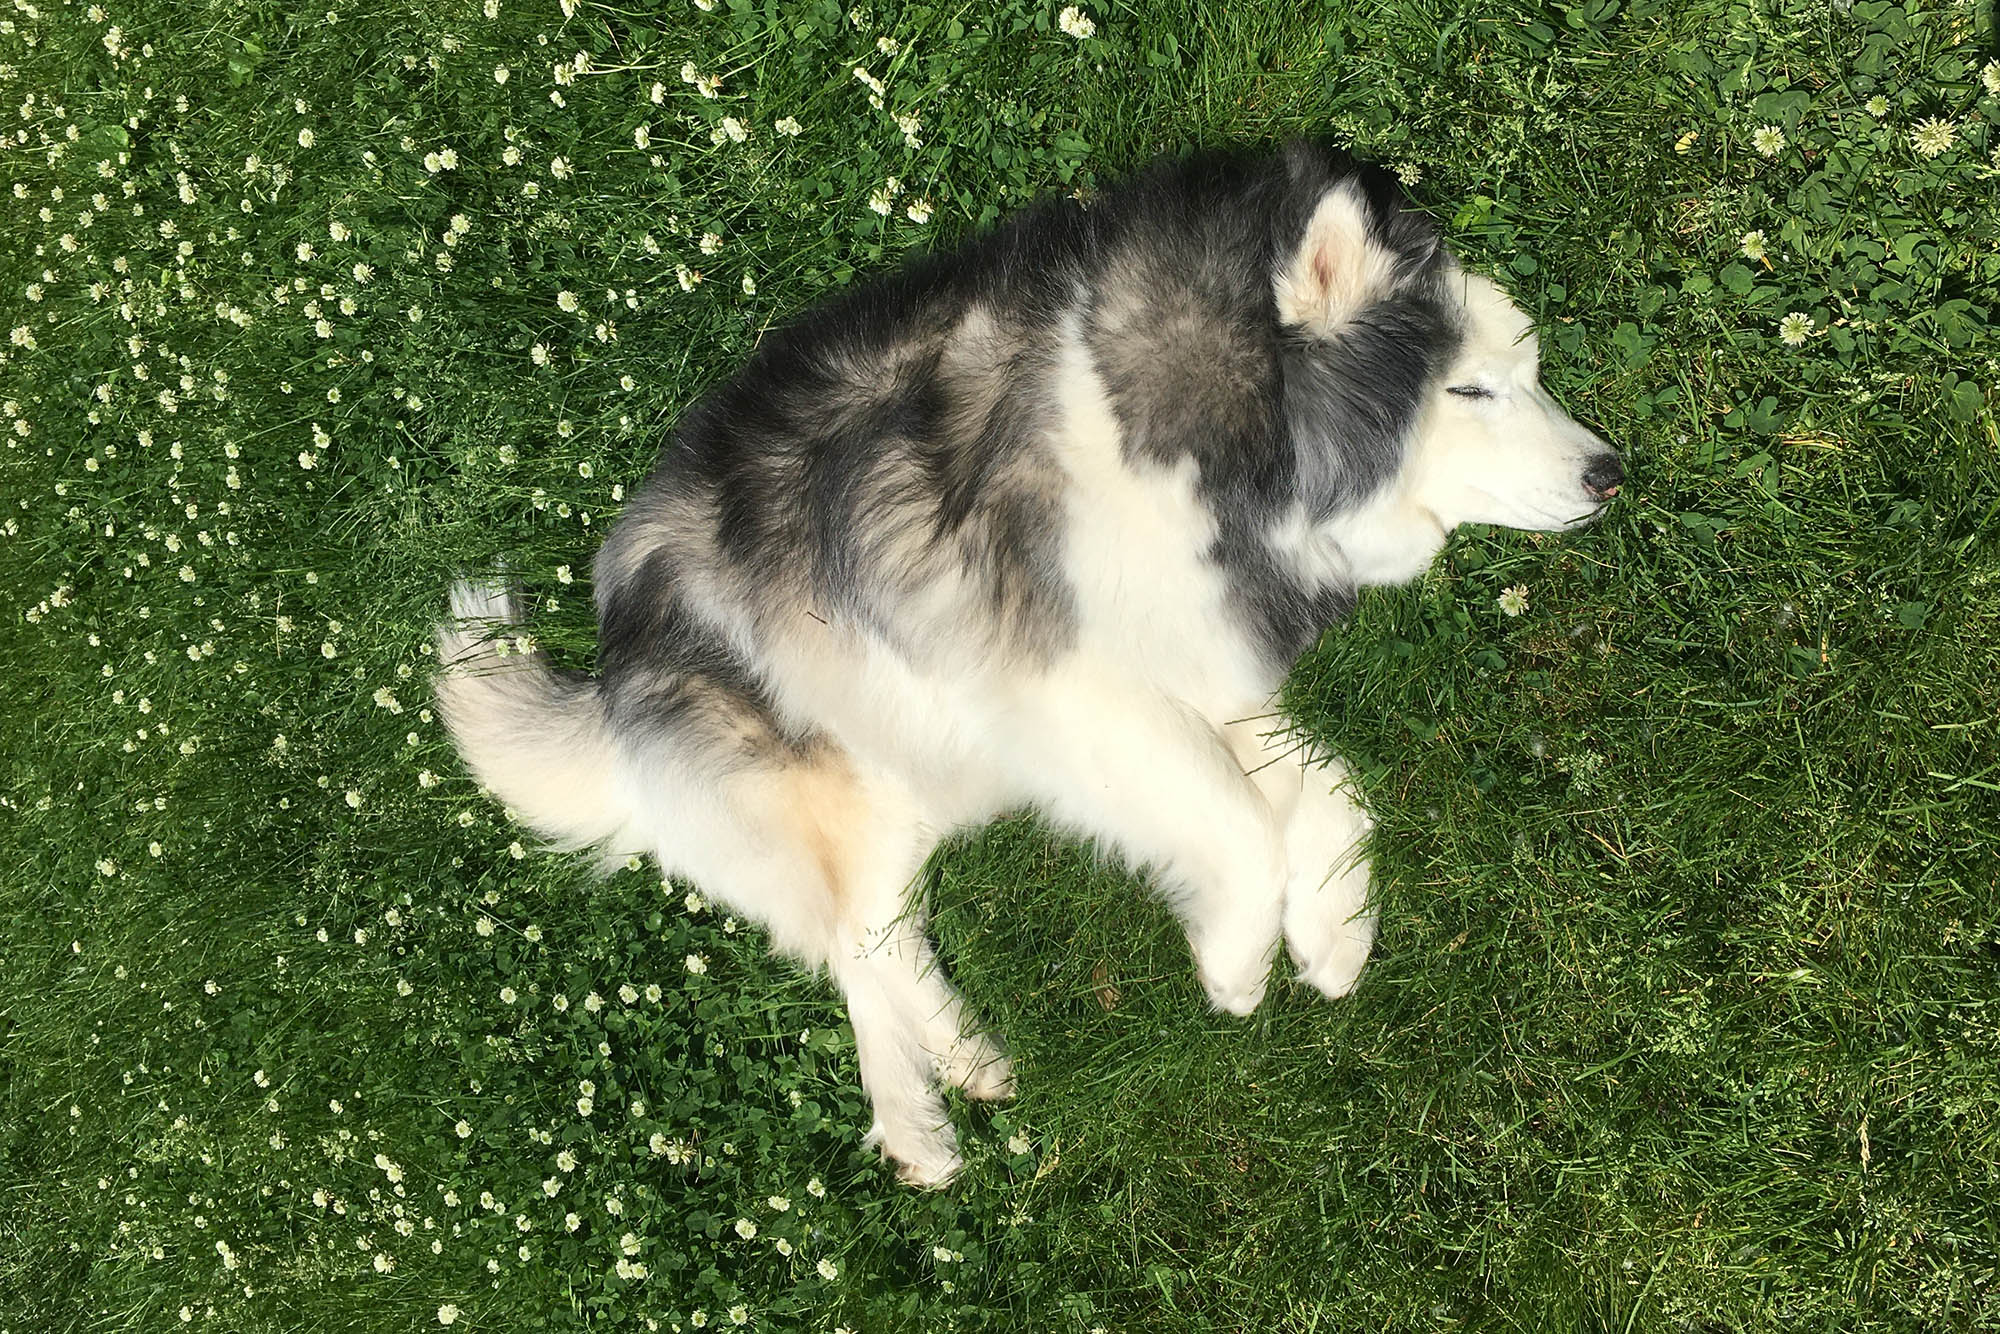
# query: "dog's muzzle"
x,y
1604,476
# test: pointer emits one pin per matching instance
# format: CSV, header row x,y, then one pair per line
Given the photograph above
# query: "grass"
x,y
1686,1013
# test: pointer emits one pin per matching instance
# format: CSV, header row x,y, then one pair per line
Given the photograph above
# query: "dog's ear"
x,y
1336,268
1397,226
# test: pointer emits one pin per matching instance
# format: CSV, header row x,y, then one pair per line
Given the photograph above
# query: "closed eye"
x,y
1470,391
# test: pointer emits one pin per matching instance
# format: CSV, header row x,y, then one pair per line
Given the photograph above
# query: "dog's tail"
x,y
536,736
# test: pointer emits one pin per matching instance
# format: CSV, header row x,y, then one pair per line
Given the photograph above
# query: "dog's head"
x,y
1412,390
1492,446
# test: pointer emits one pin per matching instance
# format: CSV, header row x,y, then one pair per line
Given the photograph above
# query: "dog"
x,y
1042,523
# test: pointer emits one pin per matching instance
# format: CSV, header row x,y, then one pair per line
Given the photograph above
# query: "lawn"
x,y
1686,1009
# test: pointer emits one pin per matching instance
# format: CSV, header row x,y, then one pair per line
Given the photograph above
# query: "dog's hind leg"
x,y
826,862
1329,922
910,1024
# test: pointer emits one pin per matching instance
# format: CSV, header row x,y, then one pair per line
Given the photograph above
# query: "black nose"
x,y
1604,476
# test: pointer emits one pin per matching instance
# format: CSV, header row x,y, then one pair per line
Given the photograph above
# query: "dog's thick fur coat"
x,y
1040,523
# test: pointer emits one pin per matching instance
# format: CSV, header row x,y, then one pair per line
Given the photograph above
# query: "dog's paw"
x,y
1330,929
1232,957
978,1068
1333,964
1234,998
926,1160
931,1172
1234,985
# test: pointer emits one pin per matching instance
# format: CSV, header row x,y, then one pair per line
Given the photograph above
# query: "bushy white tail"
x,y
535,736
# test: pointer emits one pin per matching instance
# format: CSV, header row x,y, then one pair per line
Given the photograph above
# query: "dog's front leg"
x,y
1154,780
1329,922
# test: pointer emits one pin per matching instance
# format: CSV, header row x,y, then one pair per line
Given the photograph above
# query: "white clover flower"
x,y
1990,77
1795,328
1076,23
447,1314
734,129
1018,1142
1933,136
306,138
628,993
1751,247
745,1229
1876,106
696,963
919,211
789,127
827,1270
629,1243
567,302
816,1188
1768,140
1514,600
883,199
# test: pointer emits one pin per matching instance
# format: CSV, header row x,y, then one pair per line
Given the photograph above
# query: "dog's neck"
x,y
1388,539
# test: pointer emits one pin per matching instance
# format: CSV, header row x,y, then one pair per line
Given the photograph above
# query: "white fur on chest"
x,y
1151,607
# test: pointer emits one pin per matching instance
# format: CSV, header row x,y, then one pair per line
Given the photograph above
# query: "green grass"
x,y
1686,1011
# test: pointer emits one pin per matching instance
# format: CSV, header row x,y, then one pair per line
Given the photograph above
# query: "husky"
x,y
1041,523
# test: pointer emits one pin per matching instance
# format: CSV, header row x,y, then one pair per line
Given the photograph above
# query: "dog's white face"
x,y
1493,447
1488,445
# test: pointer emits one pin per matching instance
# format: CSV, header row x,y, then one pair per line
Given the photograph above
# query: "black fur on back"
x,y
897,434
